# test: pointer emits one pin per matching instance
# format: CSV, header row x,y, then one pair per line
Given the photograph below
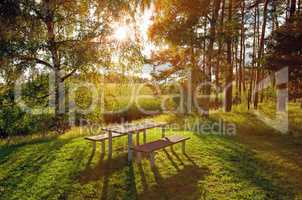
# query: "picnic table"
x,y
131,129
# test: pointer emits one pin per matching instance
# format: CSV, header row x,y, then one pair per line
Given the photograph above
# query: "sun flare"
x,y
121,33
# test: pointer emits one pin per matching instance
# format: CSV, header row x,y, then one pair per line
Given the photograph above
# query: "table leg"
x,y
163,130
152,161
137,138
145,137
130,147
139,157
109,144
103,148
94,146
183,148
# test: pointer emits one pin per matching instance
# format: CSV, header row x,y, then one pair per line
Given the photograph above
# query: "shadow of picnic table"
x,y
185,184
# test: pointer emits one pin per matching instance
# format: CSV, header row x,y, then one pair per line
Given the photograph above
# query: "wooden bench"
x,y
151,147
101,138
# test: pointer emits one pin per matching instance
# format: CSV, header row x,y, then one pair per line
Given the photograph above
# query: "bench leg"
x,y
130,147
183,147
138,157
93,146
110,145
137,138
145,138
163,132
152,161
102,148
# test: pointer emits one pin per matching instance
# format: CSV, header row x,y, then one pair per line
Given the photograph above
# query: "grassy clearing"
x,y
257,163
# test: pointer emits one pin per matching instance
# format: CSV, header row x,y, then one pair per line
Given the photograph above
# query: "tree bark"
x,y
236,63
213,23
50,24
251,85
274,16
287,10
229,71
260,53
292,12
242,50
220,49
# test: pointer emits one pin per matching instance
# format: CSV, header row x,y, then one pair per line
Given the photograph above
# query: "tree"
x,y
229,71
213,25
260,53
284,50
63,37
178,25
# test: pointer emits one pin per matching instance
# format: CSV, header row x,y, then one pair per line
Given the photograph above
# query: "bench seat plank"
x,y
102,137
175,139
149,148
160,144
152,146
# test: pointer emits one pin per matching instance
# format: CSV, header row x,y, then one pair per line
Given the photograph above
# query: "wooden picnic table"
x,y
131,129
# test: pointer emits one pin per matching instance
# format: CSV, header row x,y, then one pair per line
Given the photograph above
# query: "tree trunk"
x,y
241,64
262,86
220,47
49,20
260,53
213,22
292,9
251,86
249,96
229,72
274,16
287,10
236,63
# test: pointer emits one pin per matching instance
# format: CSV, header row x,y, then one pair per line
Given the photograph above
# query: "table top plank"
x,y
129,128
102,137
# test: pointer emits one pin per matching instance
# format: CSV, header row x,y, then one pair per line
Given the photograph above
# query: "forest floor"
x,y
256,163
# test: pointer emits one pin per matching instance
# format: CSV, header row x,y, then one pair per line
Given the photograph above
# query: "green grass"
x,y
257,163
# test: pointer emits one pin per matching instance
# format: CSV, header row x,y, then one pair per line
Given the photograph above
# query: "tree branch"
x,y
43,63
37,60
68,75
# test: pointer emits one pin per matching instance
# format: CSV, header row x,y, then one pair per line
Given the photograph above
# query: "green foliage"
x,y
118,98
126,104
14,121
61,38
284,47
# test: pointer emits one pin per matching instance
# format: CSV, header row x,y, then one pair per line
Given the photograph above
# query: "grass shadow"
x,y
243,165
143,176
174,164
131,193
183,185
38,160
7,150
178,158
103,168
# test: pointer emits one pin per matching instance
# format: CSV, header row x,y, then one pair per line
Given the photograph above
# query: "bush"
x,y
13,121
